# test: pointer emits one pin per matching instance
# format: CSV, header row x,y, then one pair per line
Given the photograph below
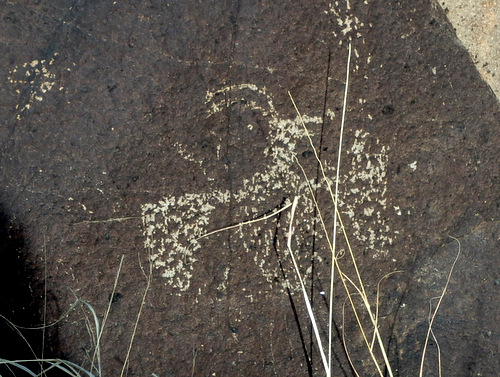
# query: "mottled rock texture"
x,y
129,128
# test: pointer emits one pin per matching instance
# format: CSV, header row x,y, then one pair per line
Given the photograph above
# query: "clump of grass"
x,y
40,366
352,285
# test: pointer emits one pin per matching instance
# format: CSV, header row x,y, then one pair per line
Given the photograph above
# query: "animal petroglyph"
x,y
173,221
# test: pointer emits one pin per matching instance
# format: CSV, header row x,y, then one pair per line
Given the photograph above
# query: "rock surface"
x,y
477,25
131,128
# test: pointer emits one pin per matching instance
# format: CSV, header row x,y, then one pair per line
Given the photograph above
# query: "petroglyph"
x,y
36,76
173,221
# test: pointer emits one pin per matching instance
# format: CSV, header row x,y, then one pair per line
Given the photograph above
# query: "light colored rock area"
x,y
477,24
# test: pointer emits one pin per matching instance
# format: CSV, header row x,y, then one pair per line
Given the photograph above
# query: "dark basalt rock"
x,y
131,128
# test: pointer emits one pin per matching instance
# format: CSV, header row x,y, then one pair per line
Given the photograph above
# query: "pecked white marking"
x,y
170,223
37,76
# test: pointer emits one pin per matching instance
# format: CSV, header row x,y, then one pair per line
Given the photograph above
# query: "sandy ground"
x,y
477,25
